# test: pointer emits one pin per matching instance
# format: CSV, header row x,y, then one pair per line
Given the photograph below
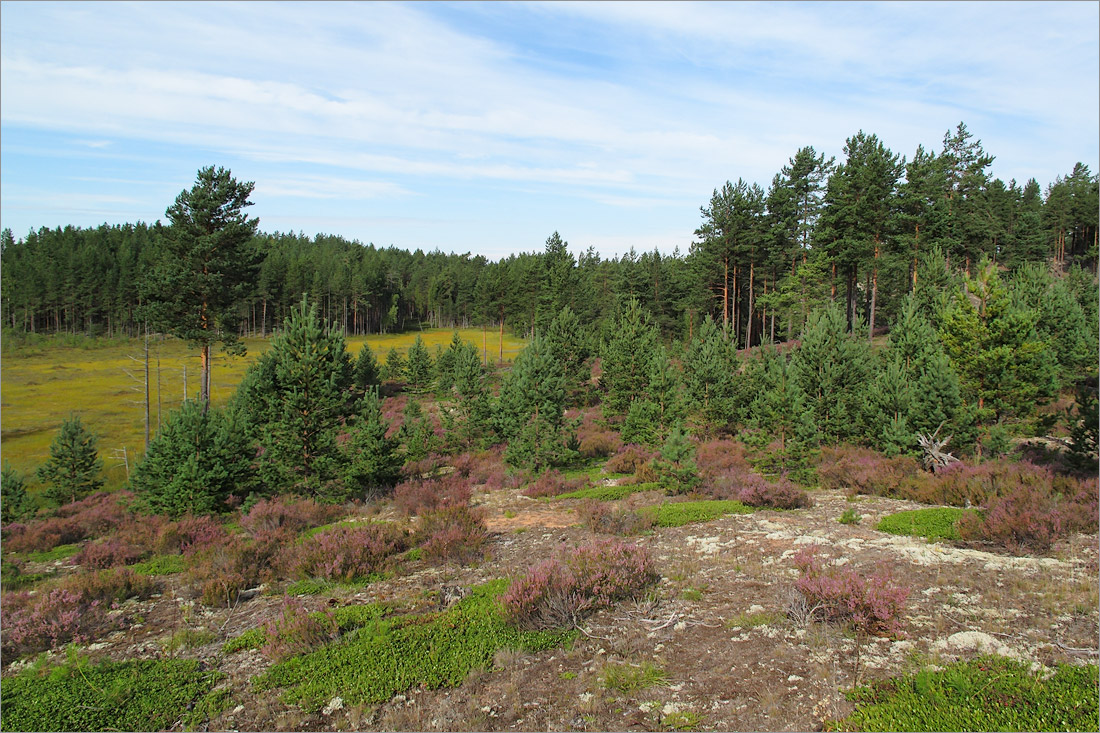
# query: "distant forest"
x,y
862,232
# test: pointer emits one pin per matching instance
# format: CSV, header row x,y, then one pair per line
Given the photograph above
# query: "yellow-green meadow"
x,y
102,382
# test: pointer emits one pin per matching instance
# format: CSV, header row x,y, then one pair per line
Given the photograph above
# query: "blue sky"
x,y
484,127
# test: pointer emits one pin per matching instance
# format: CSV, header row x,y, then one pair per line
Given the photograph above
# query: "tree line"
x,y
855,232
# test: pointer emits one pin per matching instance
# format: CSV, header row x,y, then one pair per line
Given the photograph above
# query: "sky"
x,y
484,127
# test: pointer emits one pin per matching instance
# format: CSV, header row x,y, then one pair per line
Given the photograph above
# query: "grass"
x,y
628,677
934,523
686,512
132,695
752,620
41,385
188,639
980,694
381,659
607,493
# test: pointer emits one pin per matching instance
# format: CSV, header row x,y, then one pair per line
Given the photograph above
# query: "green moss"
x,y
251,639
607,493
381,659
135,695
685,512
981,694
161,565
934,523
308,587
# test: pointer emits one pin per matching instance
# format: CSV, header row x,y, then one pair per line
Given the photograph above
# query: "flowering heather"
x,y
454,532
93,516
596,440
557,593
417,496
780,494
723,457
289,514
343,554
551,483
107,553
295,631
872,603
863,471
628,459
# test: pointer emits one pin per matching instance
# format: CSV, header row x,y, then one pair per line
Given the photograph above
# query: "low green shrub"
x,y
135,695
608,493
379,660
251,639
934,523
686,512
308,587
980,694
850,516
161,565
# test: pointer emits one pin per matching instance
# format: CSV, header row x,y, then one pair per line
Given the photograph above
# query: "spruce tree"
x,y
445,363
197,460
676,462
395,364
371,460
573,343
367,372
467,422
418,366
73,469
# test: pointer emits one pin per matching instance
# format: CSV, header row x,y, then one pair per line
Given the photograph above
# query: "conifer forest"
x,y
830,465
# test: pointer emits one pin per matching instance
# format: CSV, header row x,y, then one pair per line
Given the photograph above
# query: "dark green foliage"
x,y
567,336
73,469
676,464
627,360
197,460
367,372
781,410
371,460
532,409
205,265
987,693
395,365
468,421
1084,425
832,367
14,502
686,512
378,661
445,363
418,366
711,373
416,432
309,400
136,695
650,417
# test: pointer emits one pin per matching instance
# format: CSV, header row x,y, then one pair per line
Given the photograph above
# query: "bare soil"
x,y
718,625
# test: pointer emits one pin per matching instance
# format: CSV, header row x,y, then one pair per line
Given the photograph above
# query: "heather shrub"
x,y
345,553
962,484
595,440
93,516
627,459
871,603
645,474
295,631
608,518
288,513
454,532
218,574
416,496
723,457
864,471
110,585
479,467
559,592
552,483
1028,519
780,494
108,552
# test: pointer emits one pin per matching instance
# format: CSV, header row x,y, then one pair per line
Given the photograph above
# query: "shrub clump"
x,y
607,518
1030,518
451,533
782,494
559,592
864,471
628,459
93,516
871,603
417,496
552,483
295,631
108,553
346,553
287,514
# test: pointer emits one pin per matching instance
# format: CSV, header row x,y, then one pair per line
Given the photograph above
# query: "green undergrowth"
x,y
161,565
981,694
61,552
376,661
607,493
12,578
933,523
348,618
132,695
308,587
685,512
629,678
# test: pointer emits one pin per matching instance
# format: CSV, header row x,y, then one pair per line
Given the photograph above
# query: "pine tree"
x,y
711,375
371,460
467,422
445,363
573,343
532,408
649,418
418,366
416,432
395,365
780,409
312,398
73,469
14,502
676,462
832,367
367,372
628,360
197,460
